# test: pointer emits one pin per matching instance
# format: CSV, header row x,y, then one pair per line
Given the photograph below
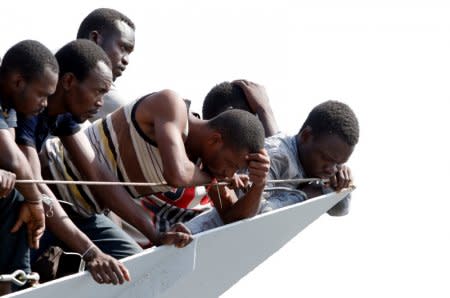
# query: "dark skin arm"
x,y
163,119
104,268
7,179
32,211
116,198
229,207
258,101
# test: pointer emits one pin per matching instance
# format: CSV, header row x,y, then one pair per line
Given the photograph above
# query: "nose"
x,y
125,59
99,103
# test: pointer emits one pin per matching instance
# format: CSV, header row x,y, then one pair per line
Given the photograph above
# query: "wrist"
x,y
148,229
34,202
259,184
89,253
42,200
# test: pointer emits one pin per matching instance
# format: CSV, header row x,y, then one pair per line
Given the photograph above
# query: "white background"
x,y
389,60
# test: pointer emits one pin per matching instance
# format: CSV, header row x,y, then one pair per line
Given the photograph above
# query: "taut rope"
x,y
109,183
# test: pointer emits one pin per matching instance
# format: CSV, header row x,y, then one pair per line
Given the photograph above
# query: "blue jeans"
x,y
110,238
14,249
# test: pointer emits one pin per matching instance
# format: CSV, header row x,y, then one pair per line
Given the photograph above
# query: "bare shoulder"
x,y
164,102
161,107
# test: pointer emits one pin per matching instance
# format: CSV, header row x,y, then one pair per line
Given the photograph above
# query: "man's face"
x,y
30,97
223,162
118,46
321,156
85,98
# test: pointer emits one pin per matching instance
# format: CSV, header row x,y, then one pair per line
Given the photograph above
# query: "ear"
x,y
18,82
96,37
215,139
68,80
306,135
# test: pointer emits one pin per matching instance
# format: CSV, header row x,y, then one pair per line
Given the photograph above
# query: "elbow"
x,y
15,165
229,217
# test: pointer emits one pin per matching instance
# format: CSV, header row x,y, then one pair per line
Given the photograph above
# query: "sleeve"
x,y
26,130
66,126
342,208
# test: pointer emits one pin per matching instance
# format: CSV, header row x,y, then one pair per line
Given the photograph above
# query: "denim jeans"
x,y
109,237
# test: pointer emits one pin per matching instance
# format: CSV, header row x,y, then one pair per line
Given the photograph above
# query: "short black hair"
x,y
102,20
80,57
222,97
30,58
240,130
334,117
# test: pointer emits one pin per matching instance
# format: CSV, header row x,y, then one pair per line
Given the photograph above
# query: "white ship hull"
x,y
211,264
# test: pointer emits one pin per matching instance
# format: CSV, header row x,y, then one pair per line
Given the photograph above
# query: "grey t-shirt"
x,y
284,164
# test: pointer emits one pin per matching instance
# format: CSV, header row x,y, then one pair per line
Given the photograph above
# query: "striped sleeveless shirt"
x,y
104,137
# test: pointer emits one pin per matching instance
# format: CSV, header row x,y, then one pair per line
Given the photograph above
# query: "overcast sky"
x,y
389,60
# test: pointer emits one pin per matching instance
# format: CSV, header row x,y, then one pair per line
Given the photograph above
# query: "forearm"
x,y
115,198
245,207
258,102
118,200
29,191
65,230
267,118
14,161
184,173
248,205
133,214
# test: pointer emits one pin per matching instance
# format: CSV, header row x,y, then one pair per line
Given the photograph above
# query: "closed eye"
x,y
126,47
328,157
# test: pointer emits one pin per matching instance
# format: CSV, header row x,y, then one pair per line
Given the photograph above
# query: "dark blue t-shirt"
x,y
33,131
